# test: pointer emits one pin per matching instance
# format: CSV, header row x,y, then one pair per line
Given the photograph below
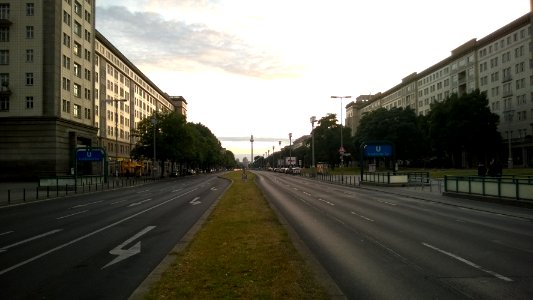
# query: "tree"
x,y
397,125
463,130
328,140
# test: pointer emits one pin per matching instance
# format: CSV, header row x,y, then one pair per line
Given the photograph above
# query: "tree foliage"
x,y
188,144
462,126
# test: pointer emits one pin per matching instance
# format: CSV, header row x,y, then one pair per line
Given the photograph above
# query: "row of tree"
x,y
186,145
457,132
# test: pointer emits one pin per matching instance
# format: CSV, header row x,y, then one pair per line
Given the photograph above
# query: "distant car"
x,y
174,174
296,170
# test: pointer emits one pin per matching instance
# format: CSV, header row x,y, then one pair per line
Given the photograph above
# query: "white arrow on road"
x,y
125,253
195,201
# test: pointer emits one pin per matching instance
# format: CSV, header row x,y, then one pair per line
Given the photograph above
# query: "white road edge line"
x,y
466,261
76,213
86,204
30,239
6,233
29,260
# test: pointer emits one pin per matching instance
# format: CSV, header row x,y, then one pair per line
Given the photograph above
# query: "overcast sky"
x,y
265,67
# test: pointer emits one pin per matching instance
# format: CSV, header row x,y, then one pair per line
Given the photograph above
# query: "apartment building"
x,y
63,86
500,64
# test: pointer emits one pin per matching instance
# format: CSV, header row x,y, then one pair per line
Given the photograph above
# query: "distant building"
x,y
62,86
500,64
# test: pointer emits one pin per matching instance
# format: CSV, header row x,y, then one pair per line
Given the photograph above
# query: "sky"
x,y
263,68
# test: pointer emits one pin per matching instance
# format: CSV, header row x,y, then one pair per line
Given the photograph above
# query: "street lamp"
x,y
115,103
154,122
313,120
280,157
290,150
341,149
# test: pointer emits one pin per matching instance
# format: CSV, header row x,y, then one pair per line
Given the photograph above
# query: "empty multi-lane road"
x,y
100,245
382,245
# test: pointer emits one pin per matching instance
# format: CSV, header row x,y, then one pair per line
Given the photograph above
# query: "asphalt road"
x,y
382,245
100,245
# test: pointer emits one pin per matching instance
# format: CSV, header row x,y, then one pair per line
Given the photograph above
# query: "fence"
x,y
507,187
63,186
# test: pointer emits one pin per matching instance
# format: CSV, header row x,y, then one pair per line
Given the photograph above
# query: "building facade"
x,y
500,64
64,86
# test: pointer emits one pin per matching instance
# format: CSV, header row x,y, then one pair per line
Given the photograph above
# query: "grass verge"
x,y
242,252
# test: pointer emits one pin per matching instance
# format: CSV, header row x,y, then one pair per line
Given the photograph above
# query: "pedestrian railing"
x,y
505,187
65,186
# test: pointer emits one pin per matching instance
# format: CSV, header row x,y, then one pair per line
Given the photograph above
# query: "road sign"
x,y
84,154
341,150
378,150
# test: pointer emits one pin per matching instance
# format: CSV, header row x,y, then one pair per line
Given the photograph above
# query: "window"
x,y
88,94
4,103
66,40
76,111
87,54
29,32
66,62
77,8
88,74
29,78
29,102
66,106
66,84
4,57
4,79
29,55
77,90
88,17
66,18
77,49
77,28
30,9
87,35
77,70
4,34
4,11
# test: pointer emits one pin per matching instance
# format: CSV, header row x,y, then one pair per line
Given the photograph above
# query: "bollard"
x,y
66,189
96,186
37,193
24,195
47,192
8,196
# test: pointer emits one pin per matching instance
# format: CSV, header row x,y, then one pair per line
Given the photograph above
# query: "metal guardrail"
x,y
505,187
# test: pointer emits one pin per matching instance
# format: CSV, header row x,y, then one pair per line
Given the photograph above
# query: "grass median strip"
x,y
242,251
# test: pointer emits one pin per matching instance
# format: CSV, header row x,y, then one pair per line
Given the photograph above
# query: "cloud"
x,y
147,38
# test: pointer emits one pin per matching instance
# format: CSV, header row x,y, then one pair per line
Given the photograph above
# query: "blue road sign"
x,y
378,150
89,154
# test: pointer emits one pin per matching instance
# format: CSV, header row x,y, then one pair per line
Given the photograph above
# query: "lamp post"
x,y
290,150
313,120
252,144
341,149
115,103
268,154
154,122
280,157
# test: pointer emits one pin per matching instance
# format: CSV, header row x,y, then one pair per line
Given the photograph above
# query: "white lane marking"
x,y
386,202
195,201
125,253
143,191
307,193
6,233
361,216
30,239
214,188
68,216
327,202
29,260
174,191
86,204
466,261
119,201
140,202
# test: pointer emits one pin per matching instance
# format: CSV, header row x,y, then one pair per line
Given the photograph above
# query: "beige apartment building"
x,y
64,86
500,64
